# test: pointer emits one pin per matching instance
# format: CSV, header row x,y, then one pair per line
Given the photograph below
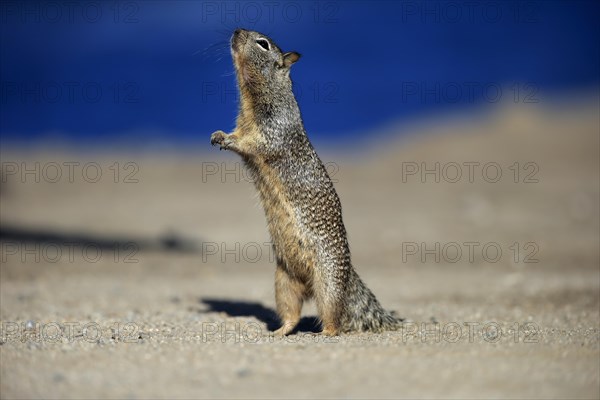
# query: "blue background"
x,y
161,71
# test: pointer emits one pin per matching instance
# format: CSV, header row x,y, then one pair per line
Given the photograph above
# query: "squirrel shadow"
x,y
264,314
169,242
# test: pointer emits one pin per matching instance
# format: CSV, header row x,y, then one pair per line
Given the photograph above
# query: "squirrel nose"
x,y
237,31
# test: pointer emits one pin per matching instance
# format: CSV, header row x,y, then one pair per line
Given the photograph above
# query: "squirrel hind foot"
x,y
286,329
330,331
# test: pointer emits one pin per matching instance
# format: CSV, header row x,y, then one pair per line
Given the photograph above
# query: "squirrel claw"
x,y
221,138
217,138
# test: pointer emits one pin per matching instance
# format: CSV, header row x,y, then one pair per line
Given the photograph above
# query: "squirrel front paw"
x,y
222,139
217,138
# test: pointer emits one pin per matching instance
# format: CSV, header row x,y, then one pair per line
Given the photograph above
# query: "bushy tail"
x,y
364,313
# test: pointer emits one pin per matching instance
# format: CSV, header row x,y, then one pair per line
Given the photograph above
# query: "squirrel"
x,y
303,210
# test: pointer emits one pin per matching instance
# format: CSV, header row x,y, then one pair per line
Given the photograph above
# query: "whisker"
x,y
214,50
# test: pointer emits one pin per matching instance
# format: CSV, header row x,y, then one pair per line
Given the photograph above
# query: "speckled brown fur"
x,y
303,211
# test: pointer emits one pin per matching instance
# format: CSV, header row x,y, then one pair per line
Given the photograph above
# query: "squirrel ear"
x,y
290,57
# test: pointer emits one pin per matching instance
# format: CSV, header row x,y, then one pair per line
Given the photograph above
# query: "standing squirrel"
x,y
303,211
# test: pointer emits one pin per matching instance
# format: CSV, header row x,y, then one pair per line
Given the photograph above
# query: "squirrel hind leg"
x,y
330,310
289,298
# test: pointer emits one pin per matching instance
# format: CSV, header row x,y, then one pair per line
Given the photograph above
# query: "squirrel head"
x,y
260,64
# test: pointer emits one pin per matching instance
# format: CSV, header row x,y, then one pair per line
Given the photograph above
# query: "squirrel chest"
x,y
293,240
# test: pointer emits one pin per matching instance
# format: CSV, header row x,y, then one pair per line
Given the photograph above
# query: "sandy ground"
x,y
164,288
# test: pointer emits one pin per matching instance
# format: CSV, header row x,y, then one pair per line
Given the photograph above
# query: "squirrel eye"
x,y
263,43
